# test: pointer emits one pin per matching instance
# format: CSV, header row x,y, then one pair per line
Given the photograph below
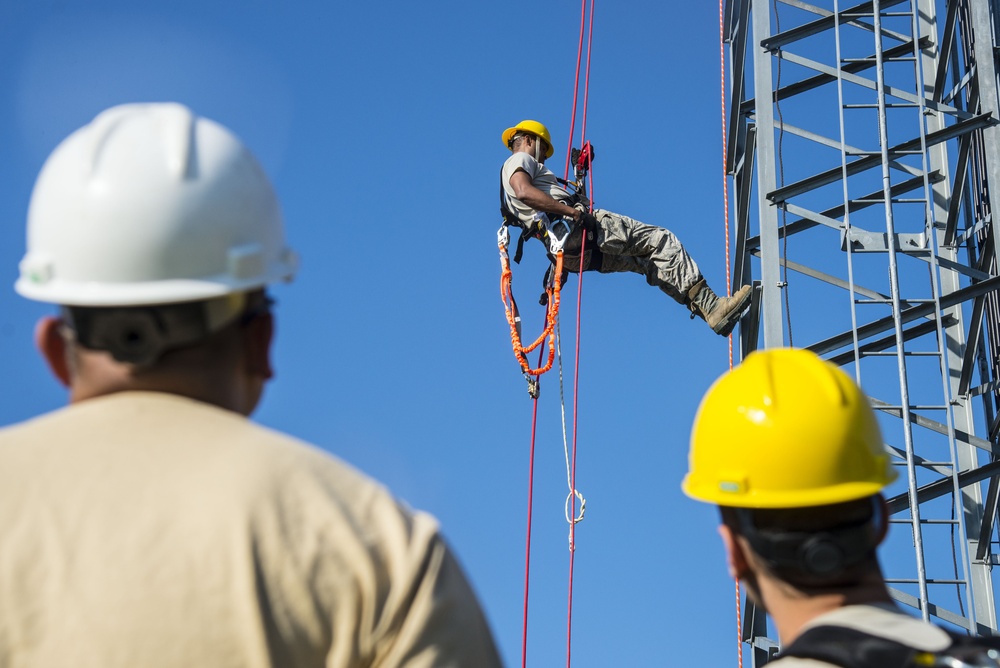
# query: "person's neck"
x,y
792,609
209,390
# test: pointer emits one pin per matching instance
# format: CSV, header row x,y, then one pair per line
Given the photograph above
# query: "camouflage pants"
x,y
629,245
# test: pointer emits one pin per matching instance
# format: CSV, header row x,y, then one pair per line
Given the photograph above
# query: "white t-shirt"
x,y
541,177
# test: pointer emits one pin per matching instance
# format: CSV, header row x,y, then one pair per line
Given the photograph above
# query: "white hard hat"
x,y
149,204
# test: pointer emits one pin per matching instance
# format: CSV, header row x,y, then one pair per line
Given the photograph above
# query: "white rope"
x,y
569,476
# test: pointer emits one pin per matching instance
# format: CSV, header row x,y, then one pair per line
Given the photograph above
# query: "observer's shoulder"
x,y
877,620
887,621
171,428
795,662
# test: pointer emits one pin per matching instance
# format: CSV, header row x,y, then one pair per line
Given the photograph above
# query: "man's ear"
x,y
736,558
52,345
258,334
882,517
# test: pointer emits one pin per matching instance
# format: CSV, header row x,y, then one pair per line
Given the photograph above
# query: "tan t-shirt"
x,y
148,530
883,620
541,177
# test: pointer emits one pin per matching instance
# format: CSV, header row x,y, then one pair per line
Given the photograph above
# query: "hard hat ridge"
x,y
175,122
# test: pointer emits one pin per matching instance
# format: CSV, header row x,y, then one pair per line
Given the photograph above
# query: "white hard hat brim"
x,y
150,293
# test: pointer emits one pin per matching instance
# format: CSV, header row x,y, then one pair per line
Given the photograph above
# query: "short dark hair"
x,y
813,547
515,141
518,137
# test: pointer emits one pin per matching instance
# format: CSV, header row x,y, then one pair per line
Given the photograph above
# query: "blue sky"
x,y
380,125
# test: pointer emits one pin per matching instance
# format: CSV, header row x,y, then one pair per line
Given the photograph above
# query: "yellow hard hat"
x,y
785,429
535,128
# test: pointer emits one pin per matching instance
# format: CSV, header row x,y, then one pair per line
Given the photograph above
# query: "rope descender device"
x,y
582,157
556,233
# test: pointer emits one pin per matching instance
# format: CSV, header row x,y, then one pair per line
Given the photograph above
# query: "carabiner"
x,y
533,385
503,236
558,232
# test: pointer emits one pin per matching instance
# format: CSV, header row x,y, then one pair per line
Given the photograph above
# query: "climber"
x,y
622,243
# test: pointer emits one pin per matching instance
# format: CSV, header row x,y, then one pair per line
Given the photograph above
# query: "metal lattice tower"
x,y
864,150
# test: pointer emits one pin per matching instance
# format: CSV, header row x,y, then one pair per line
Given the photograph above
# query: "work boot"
x,y
721,313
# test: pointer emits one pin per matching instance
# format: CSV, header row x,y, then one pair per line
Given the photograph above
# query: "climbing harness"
x,y
582,159
554,232
852,648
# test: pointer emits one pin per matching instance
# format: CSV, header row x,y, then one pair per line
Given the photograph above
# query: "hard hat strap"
x,y
139,335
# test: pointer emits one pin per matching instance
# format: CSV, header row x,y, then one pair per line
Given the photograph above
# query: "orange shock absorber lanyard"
x,y
552,291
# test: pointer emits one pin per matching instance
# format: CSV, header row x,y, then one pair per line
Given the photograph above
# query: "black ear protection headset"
x,y
138,335
818,553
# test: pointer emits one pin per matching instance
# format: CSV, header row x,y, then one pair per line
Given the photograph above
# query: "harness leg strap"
x,y
519,251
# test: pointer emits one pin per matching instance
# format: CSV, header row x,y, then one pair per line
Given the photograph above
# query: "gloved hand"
x,y
588,221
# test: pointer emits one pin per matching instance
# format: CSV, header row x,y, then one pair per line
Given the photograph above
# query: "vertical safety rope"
x,y
573,493
729,282
527,542
586,80
725,151
527,548
551,329
576,89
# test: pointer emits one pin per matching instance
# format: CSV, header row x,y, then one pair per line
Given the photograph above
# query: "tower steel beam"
x,y
866,140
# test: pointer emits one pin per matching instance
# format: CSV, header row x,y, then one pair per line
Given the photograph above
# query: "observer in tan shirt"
x,y
150,523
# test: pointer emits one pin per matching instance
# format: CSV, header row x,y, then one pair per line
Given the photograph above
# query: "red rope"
x,y
576,89
725,200
579,300
739,628
576,395
586,84
725,181
576,379
527,542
